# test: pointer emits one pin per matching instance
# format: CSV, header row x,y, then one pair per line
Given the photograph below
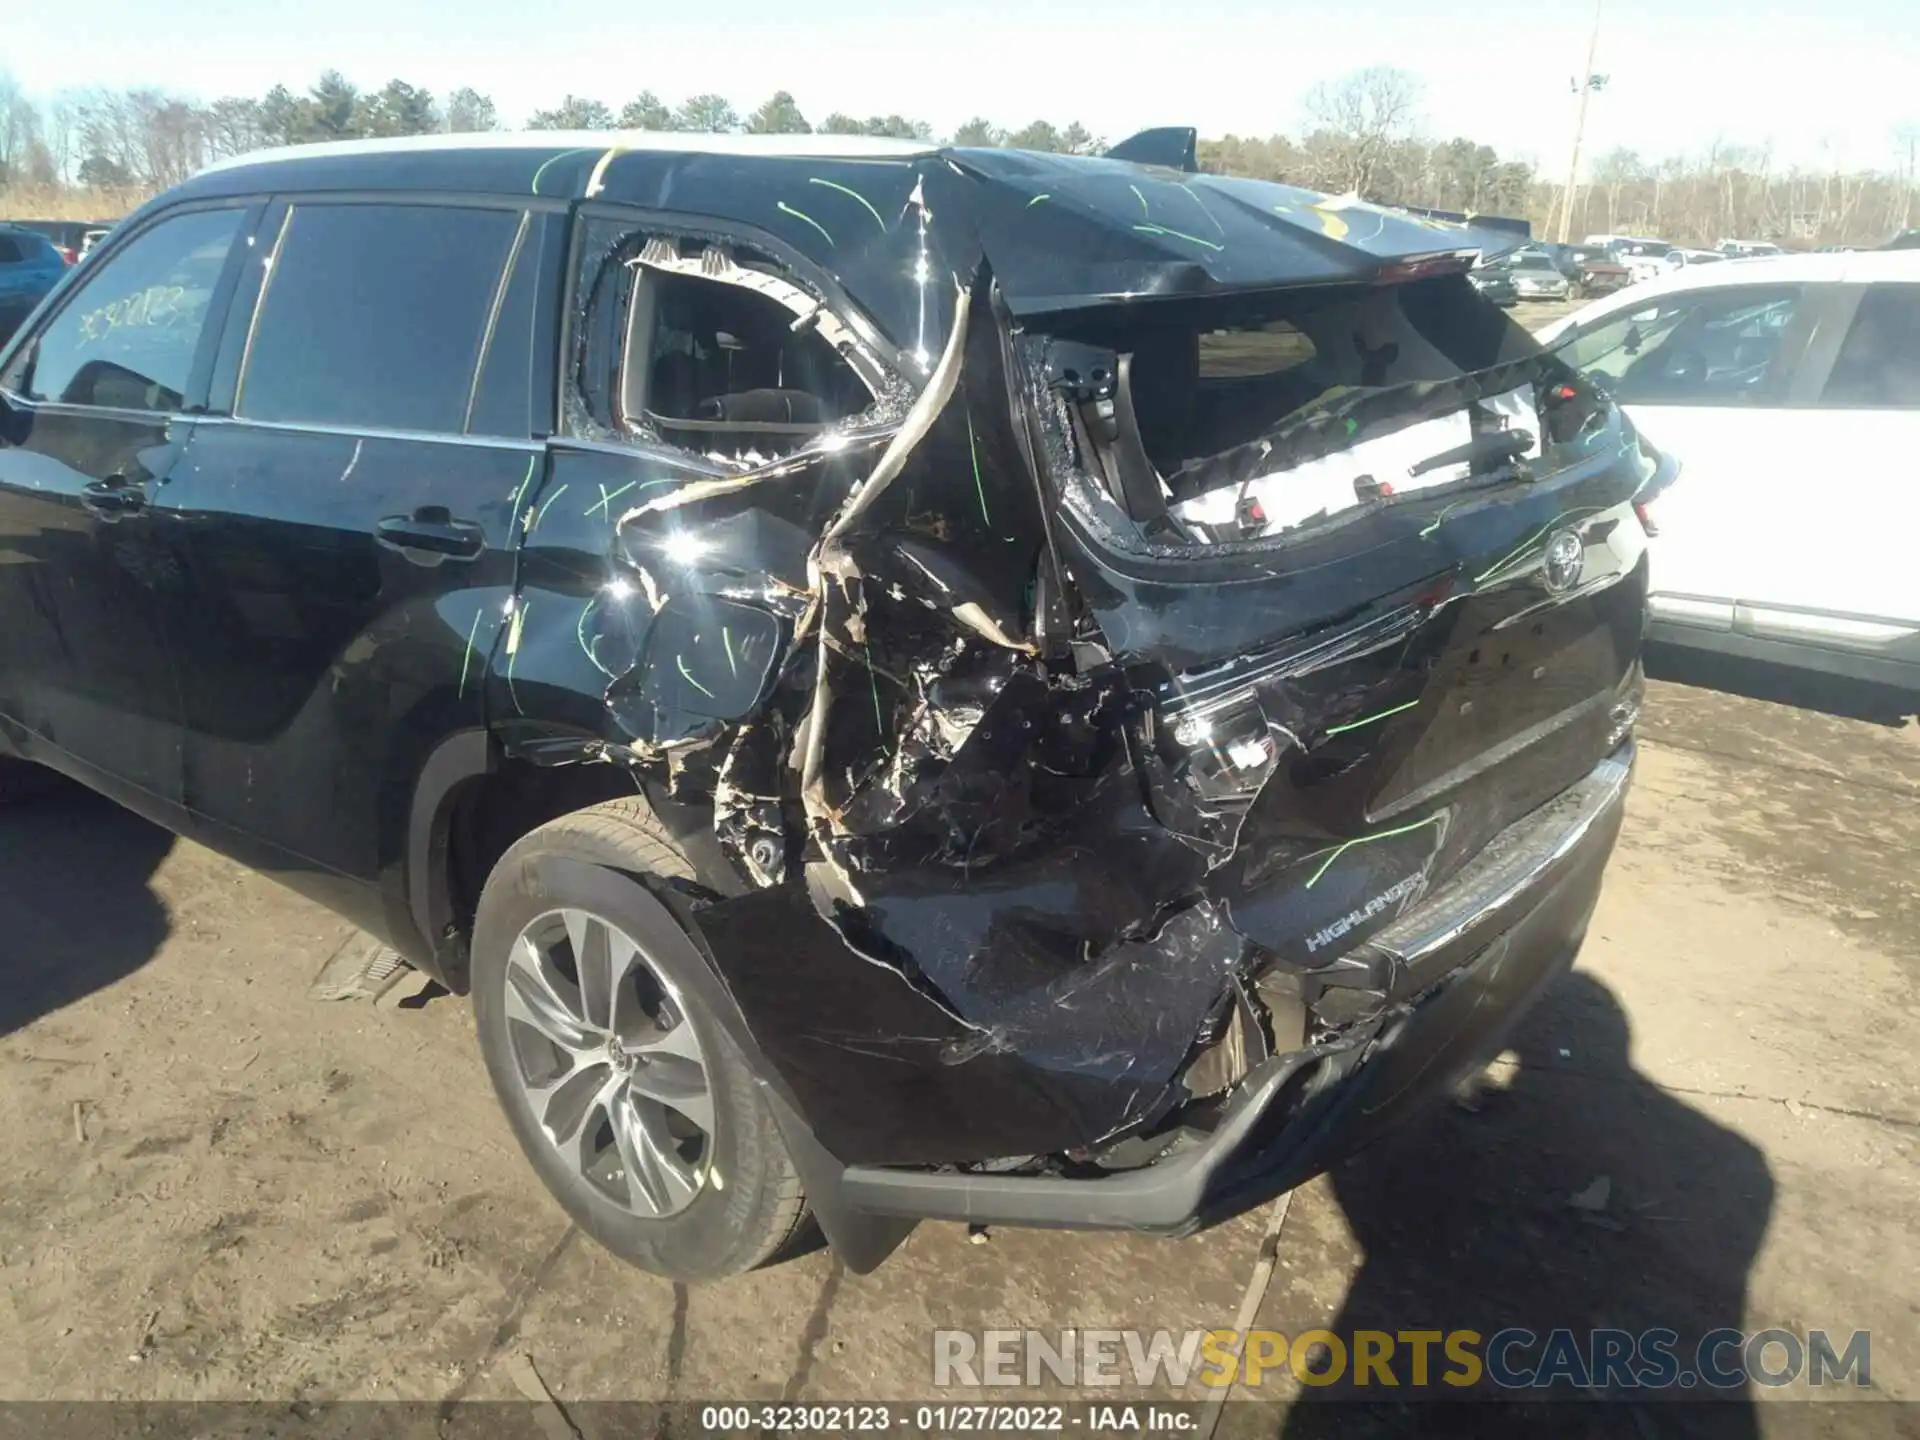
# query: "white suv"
x,y
1789,390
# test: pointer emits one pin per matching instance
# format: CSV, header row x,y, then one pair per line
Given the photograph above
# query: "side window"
x,y
513,395
373,316
10,251
726,356
127,338
1702,347
1879,361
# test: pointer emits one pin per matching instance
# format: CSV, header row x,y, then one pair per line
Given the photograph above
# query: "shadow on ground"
x,y
1803,689
76,910
1466,1221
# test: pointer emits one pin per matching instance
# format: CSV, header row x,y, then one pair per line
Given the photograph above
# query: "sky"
x,y
1821,84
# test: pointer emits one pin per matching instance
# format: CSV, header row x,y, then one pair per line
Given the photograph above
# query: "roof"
x,y
1854,266
557,141
897,223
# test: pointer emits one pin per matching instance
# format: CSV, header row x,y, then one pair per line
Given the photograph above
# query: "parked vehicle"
x,y
30,266
1598,273
1748,249
1536,277
68,236
1495,283
1789,389
880,717
1680,255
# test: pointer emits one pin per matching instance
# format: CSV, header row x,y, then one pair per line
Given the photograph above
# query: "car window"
x,y
1268,349
10,251
127,338
727,356
1701,347
372,316
1879,361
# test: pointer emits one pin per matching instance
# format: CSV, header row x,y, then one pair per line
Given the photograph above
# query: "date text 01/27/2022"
x,y
833,1419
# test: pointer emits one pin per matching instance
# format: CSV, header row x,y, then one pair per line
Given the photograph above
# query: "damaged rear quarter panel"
x,y
980,910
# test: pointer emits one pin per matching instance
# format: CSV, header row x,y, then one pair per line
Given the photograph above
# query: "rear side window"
x,y
728,357
1267,349
128,337
1879,361
10,251
373,316
1700,347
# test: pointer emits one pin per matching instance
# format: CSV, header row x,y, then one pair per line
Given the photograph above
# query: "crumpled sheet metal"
x,y
990,905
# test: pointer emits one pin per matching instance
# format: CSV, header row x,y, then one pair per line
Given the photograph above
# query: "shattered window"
x,y
1879,362
726,356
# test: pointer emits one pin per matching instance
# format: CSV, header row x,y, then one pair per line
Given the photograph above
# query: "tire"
x,y
708,1202
22,779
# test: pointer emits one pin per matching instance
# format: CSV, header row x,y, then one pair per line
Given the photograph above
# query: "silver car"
x,y
1536,277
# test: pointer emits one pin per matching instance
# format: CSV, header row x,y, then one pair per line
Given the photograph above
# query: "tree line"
x,y
1363,135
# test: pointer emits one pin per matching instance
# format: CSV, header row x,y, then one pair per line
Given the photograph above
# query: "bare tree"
x,y
1363,113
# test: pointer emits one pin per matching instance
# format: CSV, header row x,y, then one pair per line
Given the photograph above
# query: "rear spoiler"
x,y
1173,146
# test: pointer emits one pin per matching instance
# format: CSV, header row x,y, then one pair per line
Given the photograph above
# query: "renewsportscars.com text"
x,y
1513,1358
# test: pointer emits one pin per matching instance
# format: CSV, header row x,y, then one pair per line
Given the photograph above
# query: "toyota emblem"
x,y
1562,561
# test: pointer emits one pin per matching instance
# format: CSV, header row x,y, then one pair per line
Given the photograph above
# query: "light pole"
x,y
1584,88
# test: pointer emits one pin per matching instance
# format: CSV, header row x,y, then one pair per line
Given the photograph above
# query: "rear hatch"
x,y
1372,553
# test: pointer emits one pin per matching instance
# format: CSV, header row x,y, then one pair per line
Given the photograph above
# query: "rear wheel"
x,y
632,1102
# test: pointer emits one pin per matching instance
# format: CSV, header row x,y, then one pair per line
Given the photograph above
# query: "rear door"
x,y
98,398
1704,374
351,519
1848,452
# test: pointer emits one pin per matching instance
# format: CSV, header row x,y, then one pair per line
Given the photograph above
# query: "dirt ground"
x,y
218,1188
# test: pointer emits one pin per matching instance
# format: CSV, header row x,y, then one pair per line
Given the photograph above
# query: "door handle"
x,y
114,496
431,535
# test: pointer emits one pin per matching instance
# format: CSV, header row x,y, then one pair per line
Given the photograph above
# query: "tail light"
x,y
1644,509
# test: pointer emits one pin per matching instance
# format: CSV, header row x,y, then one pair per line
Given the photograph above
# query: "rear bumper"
x,y
1471,959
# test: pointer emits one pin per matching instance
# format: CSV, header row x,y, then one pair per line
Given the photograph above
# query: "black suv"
x,y
904,682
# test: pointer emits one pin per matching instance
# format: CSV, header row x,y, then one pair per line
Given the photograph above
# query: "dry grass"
x,y
28,202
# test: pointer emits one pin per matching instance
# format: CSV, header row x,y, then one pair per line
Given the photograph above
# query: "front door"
x,y
94,431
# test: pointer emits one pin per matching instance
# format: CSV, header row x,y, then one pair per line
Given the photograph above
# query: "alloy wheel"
x,y
609,1062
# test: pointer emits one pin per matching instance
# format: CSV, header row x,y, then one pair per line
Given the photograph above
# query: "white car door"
x,y
1841,568
1701,373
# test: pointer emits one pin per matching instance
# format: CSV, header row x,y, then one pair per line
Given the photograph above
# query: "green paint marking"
x,y
873,679
726,638
1440,519
607,499
586,646
467,659
1345,846
1178,235
847,190
1144,210
554,160
541,513
1037,199
979,486
513,653
681,662
1333,730
1353,425
521,493
786,209
1522,547
1194,195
